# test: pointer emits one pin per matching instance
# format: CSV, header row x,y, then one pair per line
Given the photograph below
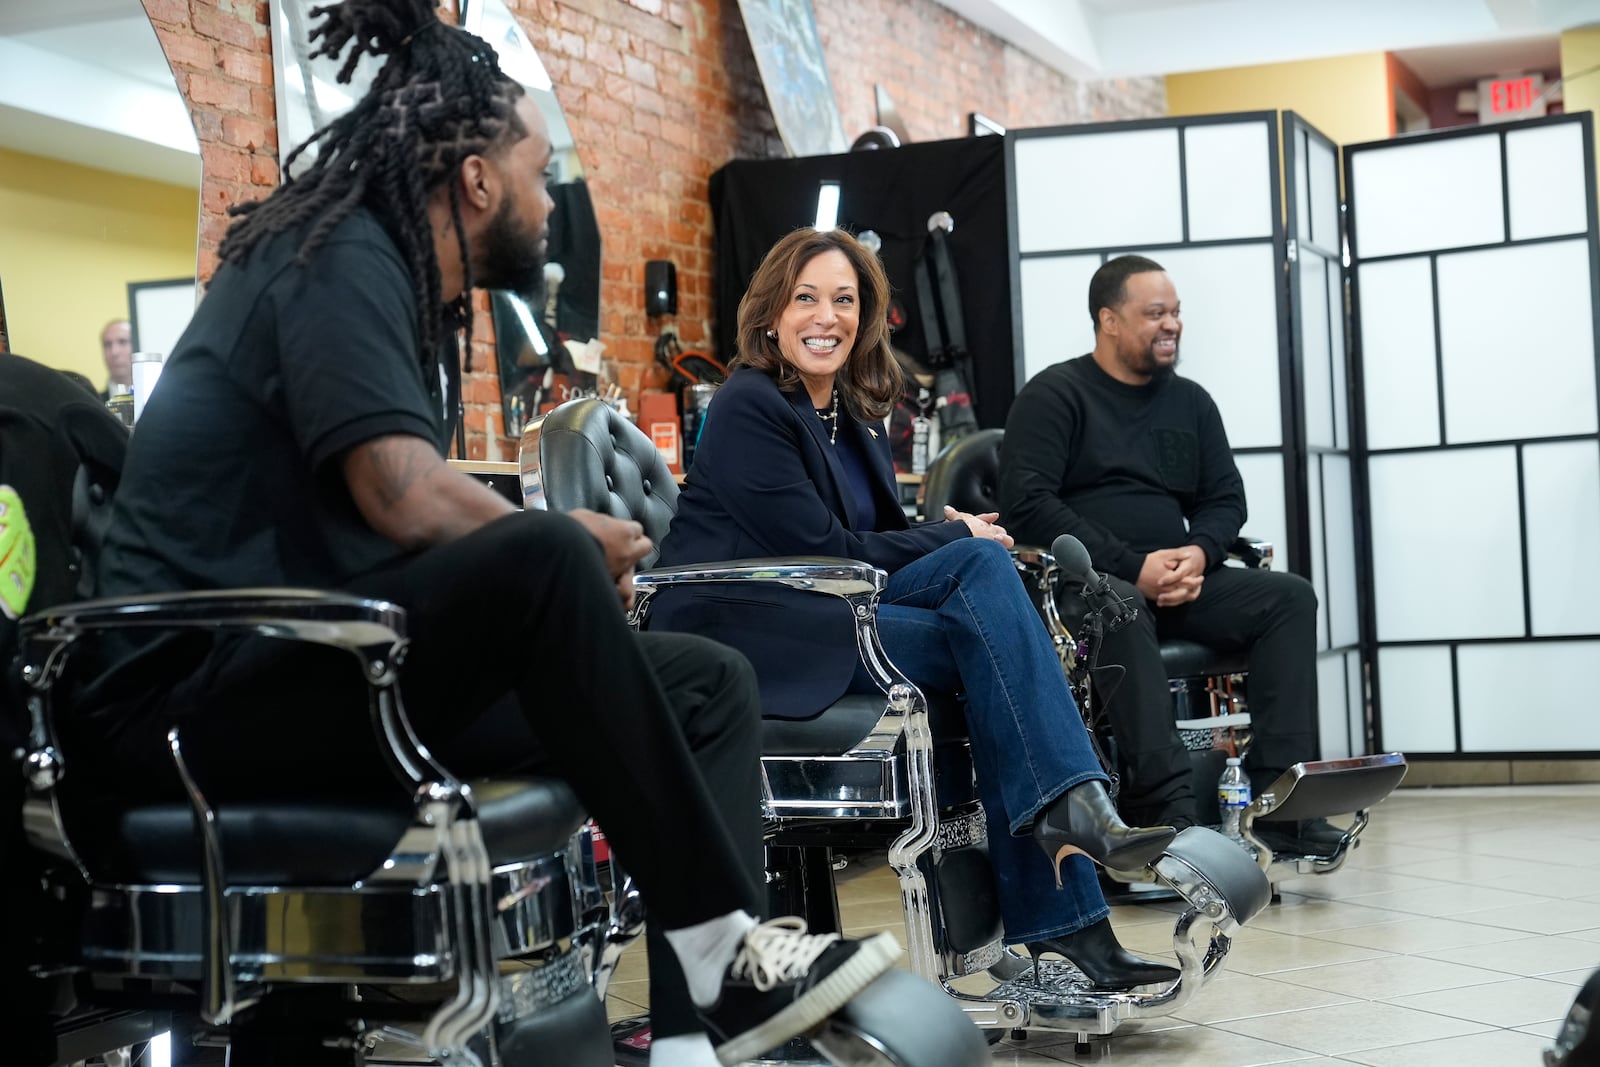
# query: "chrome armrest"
x,y
1033,558
1038,567
858,584
301,614
815,574
371,630
1252,551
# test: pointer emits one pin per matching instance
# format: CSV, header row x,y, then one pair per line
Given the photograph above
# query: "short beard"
x,y
1149,364
513,257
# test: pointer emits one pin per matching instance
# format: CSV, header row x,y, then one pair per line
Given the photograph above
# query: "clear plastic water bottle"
x,y
1233,796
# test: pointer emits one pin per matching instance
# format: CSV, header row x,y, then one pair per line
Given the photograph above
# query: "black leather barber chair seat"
x,y
1209,686
394,912
893,767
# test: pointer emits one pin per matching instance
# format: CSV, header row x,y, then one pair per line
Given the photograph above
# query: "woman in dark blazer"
x,y
793,460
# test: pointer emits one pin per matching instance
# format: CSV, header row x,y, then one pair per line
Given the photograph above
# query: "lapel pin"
x,y
873,432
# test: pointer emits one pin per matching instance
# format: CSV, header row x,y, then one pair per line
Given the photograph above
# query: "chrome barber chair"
x,y
1209,687
445,921
892,770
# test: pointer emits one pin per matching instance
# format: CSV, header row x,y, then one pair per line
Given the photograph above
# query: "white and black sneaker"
x,y
784,982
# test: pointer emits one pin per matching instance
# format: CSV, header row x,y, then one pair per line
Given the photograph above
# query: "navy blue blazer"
x,y
766,481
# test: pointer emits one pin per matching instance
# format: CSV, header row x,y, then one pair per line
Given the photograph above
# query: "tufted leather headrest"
x,y
591,457
965,475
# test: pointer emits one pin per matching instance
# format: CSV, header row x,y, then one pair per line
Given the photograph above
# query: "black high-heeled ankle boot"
x,y
1082,820
1096,952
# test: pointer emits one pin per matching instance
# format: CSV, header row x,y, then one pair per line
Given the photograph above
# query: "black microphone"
x,y
1073,559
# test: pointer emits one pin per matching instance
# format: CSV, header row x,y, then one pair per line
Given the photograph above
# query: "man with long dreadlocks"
x,y
297,440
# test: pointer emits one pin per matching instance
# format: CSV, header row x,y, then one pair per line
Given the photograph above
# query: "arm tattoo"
x,y
396,466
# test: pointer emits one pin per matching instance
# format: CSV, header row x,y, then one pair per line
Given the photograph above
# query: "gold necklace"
x,y
832,417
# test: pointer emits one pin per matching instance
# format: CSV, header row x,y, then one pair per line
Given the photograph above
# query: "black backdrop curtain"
x,y
891,191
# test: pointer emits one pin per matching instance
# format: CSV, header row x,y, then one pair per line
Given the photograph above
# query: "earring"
x,y
773,334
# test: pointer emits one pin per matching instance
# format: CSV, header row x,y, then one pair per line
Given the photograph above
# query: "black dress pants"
x,y
1270,616
520,659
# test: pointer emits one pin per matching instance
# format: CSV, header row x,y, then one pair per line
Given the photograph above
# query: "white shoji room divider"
x,y
1473,269
1317,307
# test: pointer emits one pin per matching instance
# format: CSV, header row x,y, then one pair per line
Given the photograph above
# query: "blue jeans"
x,y
958,620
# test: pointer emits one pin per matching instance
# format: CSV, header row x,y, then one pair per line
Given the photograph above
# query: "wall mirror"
x,y
99,175
543,350
543,339
308,92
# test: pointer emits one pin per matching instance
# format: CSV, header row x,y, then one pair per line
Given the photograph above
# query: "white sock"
x,y
683,1050
706,949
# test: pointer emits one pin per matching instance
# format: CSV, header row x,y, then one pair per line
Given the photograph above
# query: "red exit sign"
x,y
1500,99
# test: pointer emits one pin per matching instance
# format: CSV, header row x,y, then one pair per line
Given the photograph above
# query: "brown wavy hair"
x,y
870,380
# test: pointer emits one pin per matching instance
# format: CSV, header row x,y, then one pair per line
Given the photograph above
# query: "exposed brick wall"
x,y
221,56
659,93
937,66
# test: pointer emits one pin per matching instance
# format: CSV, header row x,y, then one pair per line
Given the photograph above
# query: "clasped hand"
x,y
981,525
1172,576
623,542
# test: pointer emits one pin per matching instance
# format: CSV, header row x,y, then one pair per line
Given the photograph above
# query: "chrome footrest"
x,y
1215,877
1319,790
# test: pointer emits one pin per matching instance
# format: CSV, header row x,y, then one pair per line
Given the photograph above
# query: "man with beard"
x,y
1119,451
298,440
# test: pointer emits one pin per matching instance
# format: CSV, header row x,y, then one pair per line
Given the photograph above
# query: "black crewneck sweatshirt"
x,y
1126,469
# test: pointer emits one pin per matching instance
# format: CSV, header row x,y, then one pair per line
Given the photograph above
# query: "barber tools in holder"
x,y
119,401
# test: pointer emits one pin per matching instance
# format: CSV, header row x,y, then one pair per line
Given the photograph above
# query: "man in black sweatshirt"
x,y
1117,450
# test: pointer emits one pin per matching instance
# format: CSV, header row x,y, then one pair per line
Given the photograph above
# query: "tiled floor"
x,y
1457,935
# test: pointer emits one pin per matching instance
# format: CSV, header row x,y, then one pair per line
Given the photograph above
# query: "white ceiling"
x,y
85,81
1126,38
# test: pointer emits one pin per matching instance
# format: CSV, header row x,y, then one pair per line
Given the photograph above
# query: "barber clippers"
x,y
1113,611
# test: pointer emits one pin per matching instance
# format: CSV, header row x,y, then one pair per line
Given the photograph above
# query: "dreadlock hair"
x,y
438,99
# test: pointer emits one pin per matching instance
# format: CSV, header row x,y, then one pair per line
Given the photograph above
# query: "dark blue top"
x,y
857,476
767,482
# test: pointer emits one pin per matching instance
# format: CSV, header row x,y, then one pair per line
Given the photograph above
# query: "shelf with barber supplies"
x,y
127,402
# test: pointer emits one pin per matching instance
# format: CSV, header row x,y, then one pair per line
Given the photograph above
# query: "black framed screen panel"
x,y
1474,320
1200,196
1315,268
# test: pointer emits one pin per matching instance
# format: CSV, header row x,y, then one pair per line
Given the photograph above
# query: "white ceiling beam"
x,y
1515,16
1238,33
1095,40
1059,33
70,91
21,16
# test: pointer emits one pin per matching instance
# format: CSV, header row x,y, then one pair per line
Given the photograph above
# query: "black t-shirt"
x,y
233,476
1126,469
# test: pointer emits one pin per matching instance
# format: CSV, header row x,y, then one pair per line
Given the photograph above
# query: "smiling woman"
x,y
99,171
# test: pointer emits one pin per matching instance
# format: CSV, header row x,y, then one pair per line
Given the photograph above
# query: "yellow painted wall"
x,y
71,239
1580,91
1349,98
